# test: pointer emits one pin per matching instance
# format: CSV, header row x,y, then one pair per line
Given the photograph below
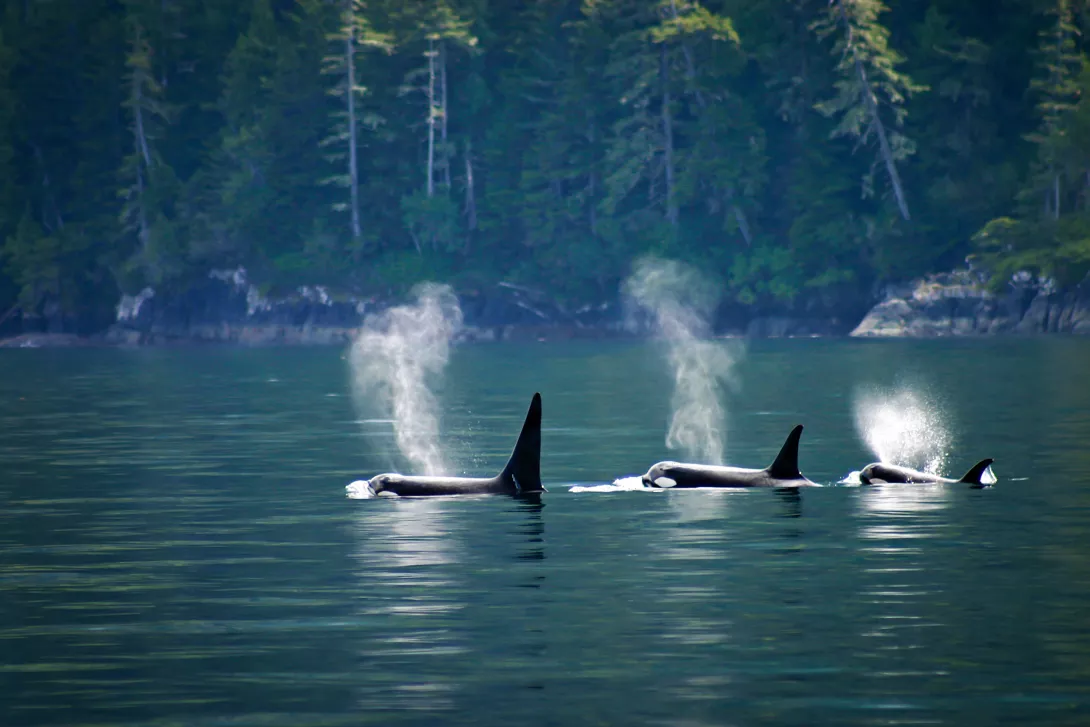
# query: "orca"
x,y
783,472
880,474
521,476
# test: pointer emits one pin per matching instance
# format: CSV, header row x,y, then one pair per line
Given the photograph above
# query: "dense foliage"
x,y
790,147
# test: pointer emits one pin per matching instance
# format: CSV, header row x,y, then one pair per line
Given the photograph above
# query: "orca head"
x,y
381,483
872,474
659,475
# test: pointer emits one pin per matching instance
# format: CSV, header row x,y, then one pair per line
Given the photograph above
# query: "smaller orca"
x,y
783,472
880,474
521,476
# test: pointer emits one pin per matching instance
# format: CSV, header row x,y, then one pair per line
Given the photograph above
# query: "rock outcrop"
x,y
225,307
228,308
45,340
958,304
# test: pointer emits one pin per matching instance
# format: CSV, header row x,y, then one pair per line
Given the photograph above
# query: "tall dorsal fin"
x,y
524,467
786,465
972,477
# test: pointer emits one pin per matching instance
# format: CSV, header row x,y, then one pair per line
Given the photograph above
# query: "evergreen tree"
x,y
550,141
8,110
431,219
354,32
868,81
143,169
1056,93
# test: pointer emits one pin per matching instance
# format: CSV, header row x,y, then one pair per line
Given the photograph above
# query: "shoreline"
x,y
226,309
101,341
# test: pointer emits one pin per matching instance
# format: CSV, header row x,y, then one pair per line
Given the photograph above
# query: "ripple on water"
x,y
176,548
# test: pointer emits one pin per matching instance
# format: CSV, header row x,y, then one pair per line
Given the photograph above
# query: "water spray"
x,y
681,303
902,427
393,359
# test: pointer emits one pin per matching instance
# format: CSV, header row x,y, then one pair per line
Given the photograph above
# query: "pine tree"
x,y
440,27
354,33
546,150
8,184
724,167
144,167
641,150
271,169
1056,91
432,220
869,80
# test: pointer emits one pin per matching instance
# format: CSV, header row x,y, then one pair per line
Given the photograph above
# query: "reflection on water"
x,y
420,572
176,548
408,576
894,499
700,504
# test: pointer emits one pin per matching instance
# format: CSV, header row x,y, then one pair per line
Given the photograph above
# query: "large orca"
x,y
879,474
783,472
521,476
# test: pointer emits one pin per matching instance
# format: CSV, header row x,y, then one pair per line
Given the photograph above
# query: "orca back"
x,y
524,467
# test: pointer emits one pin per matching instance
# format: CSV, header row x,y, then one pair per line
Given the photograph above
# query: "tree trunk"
x,y
444,150
49,202
668,141
872,109
592,183
142,217
471,200
142,152
138,118
690,67
431,118
353,171
743,225
883,143
1056,196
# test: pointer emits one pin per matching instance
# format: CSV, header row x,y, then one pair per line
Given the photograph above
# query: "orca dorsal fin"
x,y
786,464
524,467
972,477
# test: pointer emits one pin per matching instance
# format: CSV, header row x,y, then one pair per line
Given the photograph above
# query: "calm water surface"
x,y
176,547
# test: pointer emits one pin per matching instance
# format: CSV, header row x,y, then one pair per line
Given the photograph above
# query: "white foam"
x,y
359,490
852,478
988,477
624,484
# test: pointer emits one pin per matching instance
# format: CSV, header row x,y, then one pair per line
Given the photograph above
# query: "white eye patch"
x,y
664,482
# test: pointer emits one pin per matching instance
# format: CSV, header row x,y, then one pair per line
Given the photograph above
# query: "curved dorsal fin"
x,y
972,477
786,464
524,467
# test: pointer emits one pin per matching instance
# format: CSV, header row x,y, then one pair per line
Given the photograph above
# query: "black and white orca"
x,y
521,476
783,472
880,474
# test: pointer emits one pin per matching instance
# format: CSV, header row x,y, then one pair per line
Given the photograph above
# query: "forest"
x,y
793,149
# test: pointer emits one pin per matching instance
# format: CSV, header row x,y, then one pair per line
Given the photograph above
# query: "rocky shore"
x,y
227,308
958,304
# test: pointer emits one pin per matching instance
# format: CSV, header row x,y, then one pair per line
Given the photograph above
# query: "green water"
x,y
176,547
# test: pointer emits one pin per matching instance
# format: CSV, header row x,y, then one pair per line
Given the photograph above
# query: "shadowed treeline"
x,y
800,151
